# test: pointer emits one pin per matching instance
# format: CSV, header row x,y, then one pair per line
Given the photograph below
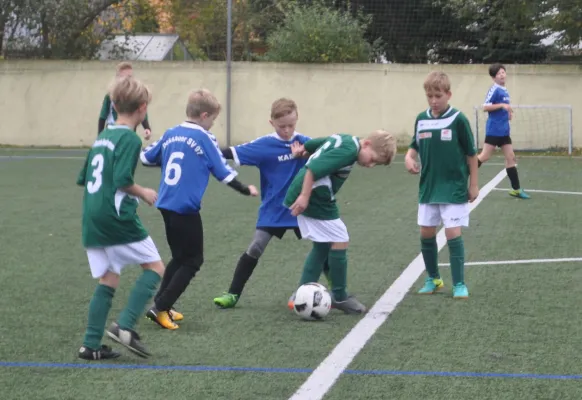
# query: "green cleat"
x,y
431,286
460,291
519,193
227,300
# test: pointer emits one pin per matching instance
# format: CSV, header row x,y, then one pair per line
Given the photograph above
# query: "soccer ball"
x,y
312,301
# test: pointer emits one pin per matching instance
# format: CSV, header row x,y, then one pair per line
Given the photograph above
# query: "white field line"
x,y
542,191
330,369
512,262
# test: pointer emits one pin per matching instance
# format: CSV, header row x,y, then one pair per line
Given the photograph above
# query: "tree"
x,y
316,33
564,17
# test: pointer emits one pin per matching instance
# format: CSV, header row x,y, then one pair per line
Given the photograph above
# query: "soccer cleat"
x,y
349,306
104,353
431,286
460,291
227,300
162,318
176,315
291,302
129,339
519,193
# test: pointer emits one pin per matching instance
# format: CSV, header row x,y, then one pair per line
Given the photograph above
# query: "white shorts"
x,y
451,215
323,231
114,258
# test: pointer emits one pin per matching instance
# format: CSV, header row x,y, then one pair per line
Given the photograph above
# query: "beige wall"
x,y
57,103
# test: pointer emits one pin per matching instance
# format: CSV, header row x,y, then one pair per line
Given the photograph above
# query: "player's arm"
x,y
312,145
146,123
151,156
410,159
342,152
222,171
492,102
467,142
250,153
81,178
105,107
127,154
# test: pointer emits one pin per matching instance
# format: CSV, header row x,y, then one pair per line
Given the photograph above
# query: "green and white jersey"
x,y
330,163
108,112
110,215
443,145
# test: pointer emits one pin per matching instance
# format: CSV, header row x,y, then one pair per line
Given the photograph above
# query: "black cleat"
x,y
129,339
104,353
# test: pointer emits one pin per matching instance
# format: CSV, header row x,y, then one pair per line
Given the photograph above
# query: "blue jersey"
x,y
277,167
498,121
188,154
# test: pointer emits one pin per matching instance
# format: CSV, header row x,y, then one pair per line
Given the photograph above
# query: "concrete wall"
x,y
57,102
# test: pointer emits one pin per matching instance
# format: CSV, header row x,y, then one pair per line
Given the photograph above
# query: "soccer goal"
x,y
534,127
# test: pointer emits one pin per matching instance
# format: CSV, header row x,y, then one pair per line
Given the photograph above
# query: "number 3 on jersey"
x,y
170,178
97,163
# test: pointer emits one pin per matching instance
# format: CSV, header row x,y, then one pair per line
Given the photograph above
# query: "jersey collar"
x,y
448,110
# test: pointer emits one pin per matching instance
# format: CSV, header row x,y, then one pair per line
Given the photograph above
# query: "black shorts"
x,y
498,141
184,234
280,231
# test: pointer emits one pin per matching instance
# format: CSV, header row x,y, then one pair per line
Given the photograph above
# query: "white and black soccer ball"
x,y
312,301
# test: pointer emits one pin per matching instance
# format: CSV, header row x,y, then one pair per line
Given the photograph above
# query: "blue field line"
x,y
206,368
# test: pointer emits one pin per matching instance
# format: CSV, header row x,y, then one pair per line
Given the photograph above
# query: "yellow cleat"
x,y
176,316
162,318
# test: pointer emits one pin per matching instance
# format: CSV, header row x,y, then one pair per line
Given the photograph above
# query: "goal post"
x,y
533,127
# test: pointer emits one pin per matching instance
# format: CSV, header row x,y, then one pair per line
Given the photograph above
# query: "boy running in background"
x,y
112,232
444,141
497,128
277,165
312,198
108,114
188,154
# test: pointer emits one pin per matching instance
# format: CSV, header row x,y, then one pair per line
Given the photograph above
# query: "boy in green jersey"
x,y
112,232
311,197
444,142
108,114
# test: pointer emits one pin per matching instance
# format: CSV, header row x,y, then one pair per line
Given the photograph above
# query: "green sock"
x,y
338,272
430,254
98,310
314,263
140,295
457,259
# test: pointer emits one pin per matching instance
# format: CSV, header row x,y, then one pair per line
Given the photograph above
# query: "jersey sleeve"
x,y
105,106
491,97
82,175
126,155
250,153
152,154
340,153
303,139
465,135
216,162
313,144
413,143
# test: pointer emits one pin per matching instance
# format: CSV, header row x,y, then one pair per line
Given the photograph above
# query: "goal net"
x,y
533,127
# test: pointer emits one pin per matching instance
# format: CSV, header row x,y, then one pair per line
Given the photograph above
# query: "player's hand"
x,y
253,190
297,149
473,193
149,196
411,165
147,134
300,205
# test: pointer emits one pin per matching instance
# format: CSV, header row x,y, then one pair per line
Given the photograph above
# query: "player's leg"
x,y
456,216
145,254
99,307
338,271
244,269
187,251
488,150
428,220
511,168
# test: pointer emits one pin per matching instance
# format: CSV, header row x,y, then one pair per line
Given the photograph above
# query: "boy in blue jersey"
x,y
272,155
188,154
497,128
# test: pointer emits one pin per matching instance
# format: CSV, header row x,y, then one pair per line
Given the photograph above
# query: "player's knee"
x,y
256,248
110,279
156,266
194,263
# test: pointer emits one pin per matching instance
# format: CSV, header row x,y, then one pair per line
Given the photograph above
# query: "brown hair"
x,y
202,101
437,81
282,107
123,66
128,94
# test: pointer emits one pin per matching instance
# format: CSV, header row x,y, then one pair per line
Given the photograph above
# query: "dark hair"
x,y
494,69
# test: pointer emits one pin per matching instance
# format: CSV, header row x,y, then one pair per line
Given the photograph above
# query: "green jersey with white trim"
x,y
109,214
331,162
443,145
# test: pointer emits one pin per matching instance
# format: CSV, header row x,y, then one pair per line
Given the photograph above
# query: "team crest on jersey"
x,y
446,134
425,135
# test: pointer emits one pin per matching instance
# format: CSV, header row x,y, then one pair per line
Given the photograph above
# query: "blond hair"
x,y
128,94
384,144
202,101
282,107
437,81
123,66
